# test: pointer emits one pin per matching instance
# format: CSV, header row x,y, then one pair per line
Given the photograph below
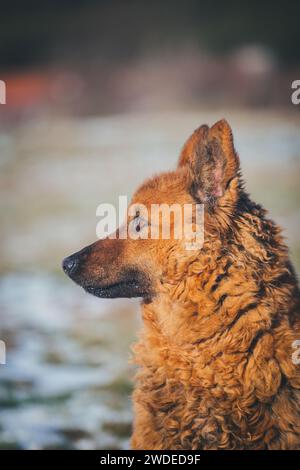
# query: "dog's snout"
x,y
70,265
76,266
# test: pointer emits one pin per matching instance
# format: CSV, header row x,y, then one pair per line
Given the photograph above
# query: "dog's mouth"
x,y
123,283
123,289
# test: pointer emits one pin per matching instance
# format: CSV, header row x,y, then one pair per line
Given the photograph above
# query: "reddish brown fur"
x,y
215,350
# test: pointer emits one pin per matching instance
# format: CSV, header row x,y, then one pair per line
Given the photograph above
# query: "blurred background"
x,y
100,95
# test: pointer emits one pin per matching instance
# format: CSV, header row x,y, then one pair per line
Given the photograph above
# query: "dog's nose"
x,y
70,265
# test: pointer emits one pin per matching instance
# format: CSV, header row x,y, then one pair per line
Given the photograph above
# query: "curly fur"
x,y
215,351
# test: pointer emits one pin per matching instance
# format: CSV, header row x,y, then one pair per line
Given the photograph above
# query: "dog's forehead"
x,y
164,188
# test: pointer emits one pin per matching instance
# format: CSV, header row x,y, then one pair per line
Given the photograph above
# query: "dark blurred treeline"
x,y
189,45
34,32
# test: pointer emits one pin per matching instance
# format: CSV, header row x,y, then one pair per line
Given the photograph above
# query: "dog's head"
x,y
140,264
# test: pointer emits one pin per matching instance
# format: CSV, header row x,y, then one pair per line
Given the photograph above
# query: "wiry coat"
x,y
215,351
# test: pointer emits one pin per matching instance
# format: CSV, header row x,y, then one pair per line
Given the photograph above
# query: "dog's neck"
x,y
221,303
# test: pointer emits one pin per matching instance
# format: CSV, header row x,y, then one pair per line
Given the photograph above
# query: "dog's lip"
x,y
110,290
91,288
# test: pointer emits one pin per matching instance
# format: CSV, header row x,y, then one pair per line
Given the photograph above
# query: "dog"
x,y
215,367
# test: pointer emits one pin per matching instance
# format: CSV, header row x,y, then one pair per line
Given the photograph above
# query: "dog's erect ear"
x,y
212,159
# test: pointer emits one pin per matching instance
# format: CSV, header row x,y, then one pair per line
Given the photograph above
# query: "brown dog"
x,y
216,352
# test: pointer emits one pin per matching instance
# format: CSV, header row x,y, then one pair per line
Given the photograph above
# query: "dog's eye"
x,y
139,223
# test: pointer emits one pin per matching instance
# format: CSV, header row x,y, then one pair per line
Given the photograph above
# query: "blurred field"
x,y
67,381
